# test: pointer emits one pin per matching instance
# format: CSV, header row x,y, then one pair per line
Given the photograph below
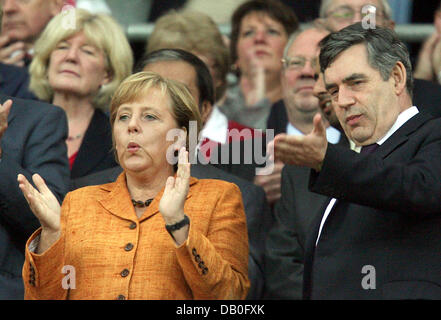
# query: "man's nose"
x,y
345,98
9,6
308,69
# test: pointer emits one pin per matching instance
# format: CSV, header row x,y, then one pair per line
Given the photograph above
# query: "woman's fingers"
x,y
25,186
183,164
41,185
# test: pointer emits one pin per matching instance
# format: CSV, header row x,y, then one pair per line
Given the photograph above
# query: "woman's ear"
x,y
107,78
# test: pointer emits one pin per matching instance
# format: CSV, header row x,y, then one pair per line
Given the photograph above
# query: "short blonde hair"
x,y
183,106
194,32
103,32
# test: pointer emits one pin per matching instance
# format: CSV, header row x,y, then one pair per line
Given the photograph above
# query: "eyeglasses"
x,y
347,13
299,62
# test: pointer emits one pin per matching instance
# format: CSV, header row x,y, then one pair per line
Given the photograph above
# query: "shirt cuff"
x,y
34,244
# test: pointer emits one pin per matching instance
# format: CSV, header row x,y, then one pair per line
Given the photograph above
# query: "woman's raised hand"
x,y
42,202
172,202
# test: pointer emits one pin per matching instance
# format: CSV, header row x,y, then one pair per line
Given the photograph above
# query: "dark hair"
x,y
203,76
384,49
273,8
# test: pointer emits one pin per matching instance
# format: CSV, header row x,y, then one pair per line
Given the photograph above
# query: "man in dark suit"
x,y
378,237
187,68
32,139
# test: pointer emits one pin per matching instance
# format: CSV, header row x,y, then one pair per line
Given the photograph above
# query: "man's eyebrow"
x,y
352,77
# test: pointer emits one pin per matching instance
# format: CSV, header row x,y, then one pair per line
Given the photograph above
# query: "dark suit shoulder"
x,y
427,96
24,104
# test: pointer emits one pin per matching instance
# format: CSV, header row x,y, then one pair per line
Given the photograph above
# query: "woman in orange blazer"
x,y
187,241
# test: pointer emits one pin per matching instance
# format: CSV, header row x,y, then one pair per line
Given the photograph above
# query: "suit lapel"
x,y
118,201
402,134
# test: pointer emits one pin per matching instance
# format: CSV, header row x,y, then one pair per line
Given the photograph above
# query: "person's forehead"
x,y
180,71
260,17
356,4
307,42
350,61
152,98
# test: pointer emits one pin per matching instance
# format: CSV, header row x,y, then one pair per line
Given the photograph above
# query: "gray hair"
x,y
293,36
384,49
325,4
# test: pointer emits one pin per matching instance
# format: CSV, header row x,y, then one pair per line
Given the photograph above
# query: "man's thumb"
x,y
319,127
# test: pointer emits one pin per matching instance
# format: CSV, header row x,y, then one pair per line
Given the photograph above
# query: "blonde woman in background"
x,y
78,67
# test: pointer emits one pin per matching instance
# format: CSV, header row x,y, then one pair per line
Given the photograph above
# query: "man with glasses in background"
x,y
337,14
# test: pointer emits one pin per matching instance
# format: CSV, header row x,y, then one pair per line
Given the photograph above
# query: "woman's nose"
x,y
260,36
72,54
133,125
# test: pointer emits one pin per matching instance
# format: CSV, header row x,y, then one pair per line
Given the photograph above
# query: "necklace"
x,y
141,204
72,138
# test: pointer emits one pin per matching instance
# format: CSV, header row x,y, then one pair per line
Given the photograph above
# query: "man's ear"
x,y
206,109
399,75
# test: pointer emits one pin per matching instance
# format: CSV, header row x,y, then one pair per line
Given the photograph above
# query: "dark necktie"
x,y
369,148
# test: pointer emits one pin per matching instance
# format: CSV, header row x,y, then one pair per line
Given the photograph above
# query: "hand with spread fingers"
x,y
45,207
307,151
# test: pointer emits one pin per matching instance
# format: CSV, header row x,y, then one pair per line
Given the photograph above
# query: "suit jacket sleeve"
x,y
223,253
42,273
405,181
44,153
